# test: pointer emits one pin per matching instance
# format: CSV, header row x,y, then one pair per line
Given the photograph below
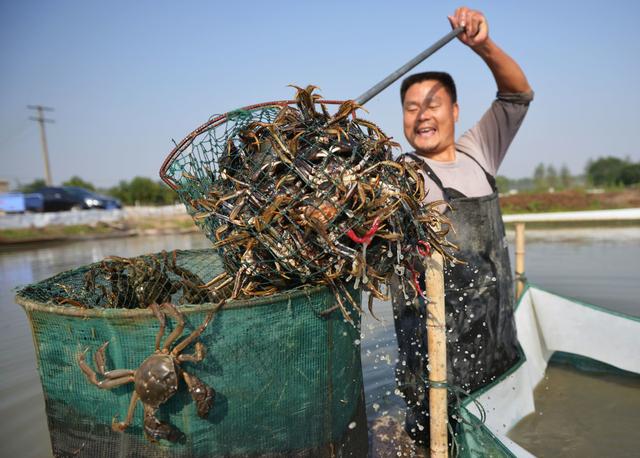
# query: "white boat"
x,y
547,323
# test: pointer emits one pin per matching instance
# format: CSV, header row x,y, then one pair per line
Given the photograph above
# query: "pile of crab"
x,y
315,198
138,282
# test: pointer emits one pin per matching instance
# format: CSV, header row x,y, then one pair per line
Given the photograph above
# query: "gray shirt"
x,y
487,142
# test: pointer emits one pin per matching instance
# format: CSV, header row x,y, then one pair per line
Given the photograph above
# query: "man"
x,y
481,337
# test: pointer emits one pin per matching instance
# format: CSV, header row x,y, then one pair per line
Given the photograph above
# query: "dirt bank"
x,y
570,200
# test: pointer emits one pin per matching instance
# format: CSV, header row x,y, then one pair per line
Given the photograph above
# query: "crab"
x,y
156,380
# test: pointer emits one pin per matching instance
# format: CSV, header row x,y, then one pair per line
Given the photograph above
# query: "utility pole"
x,y
43,138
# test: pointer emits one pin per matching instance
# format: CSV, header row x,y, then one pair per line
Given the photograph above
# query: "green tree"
x,y
33,186
503,183
121,191
551,176
79,182
606,171
169,196
144,191
539,177
630,174
566,181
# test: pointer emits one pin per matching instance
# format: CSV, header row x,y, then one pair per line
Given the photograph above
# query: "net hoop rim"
x,y
30,305
215,121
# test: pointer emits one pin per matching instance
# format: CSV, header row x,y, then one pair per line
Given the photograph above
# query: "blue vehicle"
x,y
63,198
34,202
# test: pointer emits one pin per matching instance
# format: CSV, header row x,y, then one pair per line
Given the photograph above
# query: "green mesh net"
x,y
475,440
287,377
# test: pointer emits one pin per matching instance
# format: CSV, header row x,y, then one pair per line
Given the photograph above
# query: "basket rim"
x,y
32,305
212,123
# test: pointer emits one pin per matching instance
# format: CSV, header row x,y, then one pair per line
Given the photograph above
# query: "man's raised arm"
x,y
508,75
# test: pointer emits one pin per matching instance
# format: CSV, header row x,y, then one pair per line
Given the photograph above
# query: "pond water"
x,y
596,266
582,414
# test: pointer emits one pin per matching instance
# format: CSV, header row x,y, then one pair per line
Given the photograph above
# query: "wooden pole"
x,y
437,344
520,282
43,139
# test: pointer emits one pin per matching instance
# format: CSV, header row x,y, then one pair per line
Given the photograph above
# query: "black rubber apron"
x,y
479,300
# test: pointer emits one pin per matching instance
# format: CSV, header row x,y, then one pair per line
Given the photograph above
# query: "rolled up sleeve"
x,y
489,140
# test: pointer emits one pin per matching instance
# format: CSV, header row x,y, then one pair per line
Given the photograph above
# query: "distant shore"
x,y
569,200
139,221
133,227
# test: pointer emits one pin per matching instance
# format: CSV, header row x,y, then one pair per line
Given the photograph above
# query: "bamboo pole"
x,y
436,340
520,281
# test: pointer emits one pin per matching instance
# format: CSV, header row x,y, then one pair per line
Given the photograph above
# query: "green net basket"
x,y
292,194
218,163
288,378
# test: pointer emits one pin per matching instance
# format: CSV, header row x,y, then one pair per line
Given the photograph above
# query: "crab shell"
x,y
156,380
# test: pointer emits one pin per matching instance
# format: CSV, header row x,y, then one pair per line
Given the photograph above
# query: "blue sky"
x,y
127,77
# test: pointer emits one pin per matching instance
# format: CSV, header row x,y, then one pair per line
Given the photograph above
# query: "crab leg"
x,y
195,334
122,425
160,316
112,378
215,280
177,332
196,356
98,358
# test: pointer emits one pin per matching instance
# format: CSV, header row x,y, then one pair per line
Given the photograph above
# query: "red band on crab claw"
x,y
416,281
426,251
366,238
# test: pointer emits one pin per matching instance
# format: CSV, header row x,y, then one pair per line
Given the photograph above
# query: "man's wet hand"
x,y
476,28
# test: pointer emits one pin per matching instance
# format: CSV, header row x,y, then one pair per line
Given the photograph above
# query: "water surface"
x,y
597,267
582,414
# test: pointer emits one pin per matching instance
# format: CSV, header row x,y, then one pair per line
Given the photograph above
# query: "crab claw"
x,y
156,430
118,426
201,393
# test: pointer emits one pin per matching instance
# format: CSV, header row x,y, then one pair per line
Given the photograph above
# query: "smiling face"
x,y
429,118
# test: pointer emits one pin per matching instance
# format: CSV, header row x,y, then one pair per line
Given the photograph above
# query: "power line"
x,y
43,138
